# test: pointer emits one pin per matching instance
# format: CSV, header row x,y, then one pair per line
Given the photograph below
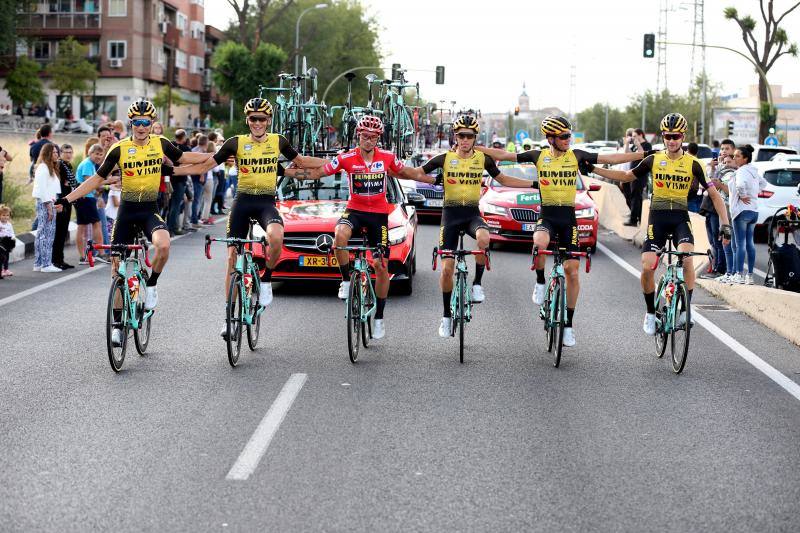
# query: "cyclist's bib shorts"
x,y
376,225
457,219
662,223
260,207
561,224
133,217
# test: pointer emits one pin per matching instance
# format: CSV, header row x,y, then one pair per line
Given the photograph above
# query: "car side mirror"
x,y
594,187
414,199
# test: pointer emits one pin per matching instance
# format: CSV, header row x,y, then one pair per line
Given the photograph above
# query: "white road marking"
x,y
771,372
248,460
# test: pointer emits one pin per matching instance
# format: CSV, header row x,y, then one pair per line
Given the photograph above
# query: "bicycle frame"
x,y
557,272
670,281
461,274
362,269
246,267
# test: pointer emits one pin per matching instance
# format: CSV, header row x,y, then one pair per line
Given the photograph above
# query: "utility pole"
x,y
661,51
605,138
699,38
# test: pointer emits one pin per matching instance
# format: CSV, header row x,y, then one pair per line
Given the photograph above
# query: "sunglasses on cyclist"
x,y
142,122
465,135
672,136
258,118
564,136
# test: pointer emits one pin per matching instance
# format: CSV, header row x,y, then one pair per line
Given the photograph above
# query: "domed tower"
x,y
524,101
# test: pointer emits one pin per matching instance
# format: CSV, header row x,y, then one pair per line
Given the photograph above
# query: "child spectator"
x,y
7,240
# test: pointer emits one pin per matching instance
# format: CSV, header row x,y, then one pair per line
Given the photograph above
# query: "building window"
x,y
105,104
117,49
117,8
41,50
94,48
198,30
158,56
197,65
182,21
180,59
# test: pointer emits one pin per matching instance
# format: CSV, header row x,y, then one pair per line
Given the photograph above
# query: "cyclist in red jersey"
x,y
367,168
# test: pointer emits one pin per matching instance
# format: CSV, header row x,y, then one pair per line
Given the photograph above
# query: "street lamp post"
x,y
297,36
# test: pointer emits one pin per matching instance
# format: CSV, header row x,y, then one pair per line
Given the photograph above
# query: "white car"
x,y
762,152
782,187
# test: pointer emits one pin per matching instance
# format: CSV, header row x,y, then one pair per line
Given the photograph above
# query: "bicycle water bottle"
x,y
248,283
133,286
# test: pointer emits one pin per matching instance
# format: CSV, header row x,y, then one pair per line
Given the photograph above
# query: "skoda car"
x,y
511,213
433,195
310,210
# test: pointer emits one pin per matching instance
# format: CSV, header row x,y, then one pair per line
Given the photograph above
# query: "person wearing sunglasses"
x,y
140,159
557,170
256,155
367,168
673,171
462,177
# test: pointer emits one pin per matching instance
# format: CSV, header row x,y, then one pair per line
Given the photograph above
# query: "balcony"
x,y
59,23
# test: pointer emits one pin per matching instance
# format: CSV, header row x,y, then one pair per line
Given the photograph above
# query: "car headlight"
x,y
492,209
397,235
585,213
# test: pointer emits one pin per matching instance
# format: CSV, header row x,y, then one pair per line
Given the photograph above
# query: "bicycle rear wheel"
x,y
661,336
559,319
549,313
254,329
141,336
353,318
233,319
366,297
461,314
116,354
680,333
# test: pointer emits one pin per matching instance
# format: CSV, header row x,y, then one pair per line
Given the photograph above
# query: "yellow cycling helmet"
x,y
142,108
673,123
554,125
255,105
466,122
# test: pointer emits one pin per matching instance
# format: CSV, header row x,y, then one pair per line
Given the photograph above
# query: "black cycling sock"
x,y
540,276
267,275
381,303
153,279
650,300
479,269
689,294
570,314
446,302
344,269
117,315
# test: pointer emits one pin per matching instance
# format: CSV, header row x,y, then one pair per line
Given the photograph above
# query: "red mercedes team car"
x,y
512,213
310,210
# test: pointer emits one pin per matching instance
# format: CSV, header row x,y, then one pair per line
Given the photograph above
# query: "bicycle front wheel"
x,y
461,313
141,336
353,318
366,297
683,326
233,319
254,329
559,318
116,354
661,336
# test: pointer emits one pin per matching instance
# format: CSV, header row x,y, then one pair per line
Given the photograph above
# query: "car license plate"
x,y
317,261
528,227
434,203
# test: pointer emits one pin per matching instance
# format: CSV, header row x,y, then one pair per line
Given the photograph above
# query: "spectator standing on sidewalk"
x,y
7,240
208,189
178,188
720,167
46,188
112,207
744,212
198,183
44,135
86,208
634,190
66,175
107,140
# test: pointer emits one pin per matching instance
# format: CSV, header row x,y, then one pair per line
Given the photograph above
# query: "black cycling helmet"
x,y
142,108
255,105
673,123
466,122
554,125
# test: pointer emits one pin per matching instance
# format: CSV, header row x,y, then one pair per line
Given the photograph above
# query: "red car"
x,y
310,210
512,213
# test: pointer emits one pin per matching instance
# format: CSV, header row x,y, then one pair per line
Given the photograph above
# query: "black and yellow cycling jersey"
x,y
140,166
672,179
558,176
462,177
257,161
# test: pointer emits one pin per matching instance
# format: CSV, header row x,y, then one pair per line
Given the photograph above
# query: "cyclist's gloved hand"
x,y
439,179
585,167
167,170
725,232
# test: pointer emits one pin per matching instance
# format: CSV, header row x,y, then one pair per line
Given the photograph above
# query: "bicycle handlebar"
x,y
262,241
452,254
664,250
115,248
562,251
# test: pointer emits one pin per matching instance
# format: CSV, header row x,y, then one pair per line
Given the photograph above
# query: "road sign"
x,y
578,137
771,141
522,135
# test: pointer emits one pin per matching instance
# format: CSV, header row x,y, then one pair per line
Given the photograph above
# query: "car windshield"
x,y
765,154
334,187
526,172
784,177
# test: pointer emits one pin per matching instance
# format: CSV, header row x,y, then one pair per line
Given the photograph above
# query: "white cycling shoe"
x,y
649,325
477,294
265,296
569,338
682,319
150,298
446,327
344,289
538,294
116,337
378,329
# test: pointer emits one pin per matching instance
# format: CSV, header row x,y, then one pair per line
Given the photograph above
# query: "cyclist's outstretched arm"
x,y
196,168
497,154
305,173
614,159
414,174
307,161
616,175
511,181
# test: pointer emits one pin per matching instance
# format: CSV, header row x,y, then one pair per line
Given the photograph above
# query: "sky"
x,y
490,48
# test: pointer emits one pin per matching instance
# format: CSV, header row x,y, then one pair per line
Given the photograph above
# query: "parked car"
x,y
762,152
433,194
310,210
511,213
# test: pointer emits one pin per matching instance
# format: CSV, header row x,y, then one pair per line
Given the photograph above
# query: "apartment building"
x,y
138,46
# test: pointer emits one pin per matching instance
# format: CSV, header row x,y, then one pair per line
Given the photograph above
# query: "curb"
x,y
24,248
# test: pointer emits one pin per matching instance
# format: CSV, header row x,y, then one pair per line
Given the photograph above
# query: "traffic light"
x,y
649,49
730,125
440,75
395,68
516,111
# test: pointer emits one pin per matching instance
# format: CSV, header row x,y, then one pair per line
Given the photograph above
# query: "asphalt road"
x,y
407,439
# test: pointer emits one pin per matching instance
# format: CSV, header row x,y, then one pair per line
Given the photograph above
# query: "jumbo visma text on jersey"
x,y
672,180
258,164
462,179
558,178
141,169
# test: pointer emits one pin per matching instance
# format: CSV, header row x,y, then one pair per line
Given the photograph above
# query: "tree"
x,y
71,72
8,25
252,24
23,83
592,121
162,98
775,45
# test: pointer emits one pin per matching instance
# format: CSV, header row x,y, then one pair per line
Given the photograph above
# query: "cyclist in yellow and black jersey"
x,y
462,176
140,158
673,171
558,168
256,156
